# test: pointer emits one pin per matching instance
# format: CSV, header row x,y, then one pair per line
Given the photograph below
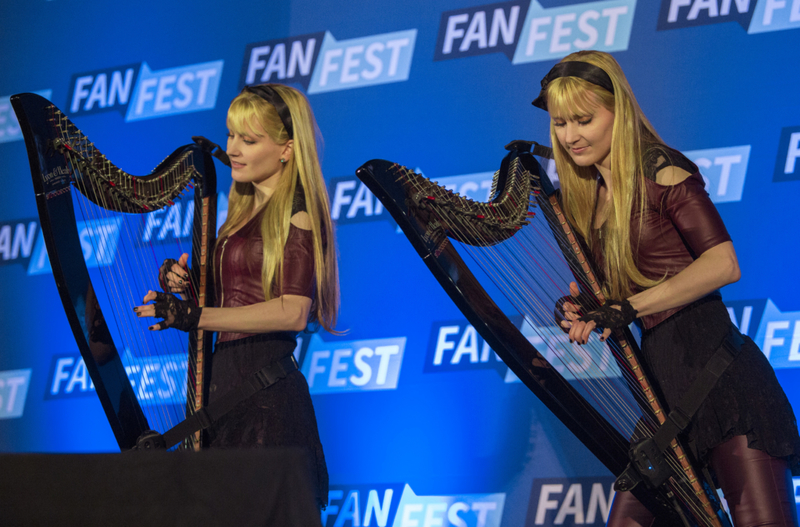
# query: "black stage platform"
x,y
220,488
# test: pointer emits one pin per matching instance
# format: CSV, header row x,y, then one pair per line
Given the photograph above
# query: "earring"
x,y
283,161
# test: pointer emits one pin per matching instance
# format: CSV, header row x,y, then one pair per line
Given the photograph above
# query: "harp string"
x,y
121,286
531,272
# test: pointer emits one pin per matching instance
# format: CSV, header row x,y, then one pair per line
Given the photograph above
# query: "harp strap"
x,y
208,415
212,148
530,146
647,460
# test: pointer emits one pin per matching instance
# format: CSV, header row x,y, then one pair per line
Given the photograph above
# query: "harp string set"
x,y
113,206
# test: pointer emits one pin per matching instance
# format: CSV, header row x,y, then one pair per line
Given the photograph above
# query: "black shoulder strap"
x,y
647,460
208,415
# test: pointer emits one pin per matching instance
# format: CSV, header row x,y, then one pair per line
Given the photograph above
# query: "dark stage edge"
x,y
219,488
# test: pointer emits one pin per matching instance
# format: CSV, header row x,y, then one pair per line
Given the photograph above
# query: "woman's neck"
x,y
260,198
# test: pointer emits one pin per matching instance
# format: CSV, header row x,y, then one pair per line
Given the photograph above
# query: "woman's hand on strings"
x,y
611,315
177,313
173,275
569,308
579,322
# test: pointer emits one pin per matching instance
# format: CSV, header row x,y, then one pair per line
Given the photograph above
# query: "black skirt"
x,y
746,400
279,415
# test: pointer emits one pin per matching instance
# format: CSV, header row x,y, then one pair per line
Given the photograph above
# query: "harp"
x,y
99,226
514,255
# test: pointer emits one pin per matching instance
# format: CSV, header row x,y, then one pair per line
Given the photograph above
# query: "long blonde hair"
x,y
569,97
303,169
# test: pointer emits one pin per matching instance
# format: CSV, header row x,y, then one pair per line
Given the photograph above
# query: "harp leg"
x,y
626,511
757,486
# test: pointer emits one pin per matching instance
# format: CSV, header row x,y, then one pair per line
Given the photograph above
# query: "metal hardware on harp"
x,y
92,215
516,255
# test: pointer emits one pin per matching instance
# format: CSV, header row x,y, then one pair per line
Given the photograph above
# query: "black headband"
x,y
268,93
582,70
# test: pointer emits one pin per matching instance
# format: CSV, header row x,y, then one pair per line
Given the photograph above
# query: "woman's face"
x,y
587,138
255,157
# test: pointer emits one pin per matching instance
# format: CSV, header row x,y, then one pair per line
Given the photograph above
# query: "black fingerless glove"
x,y
608,317
177,313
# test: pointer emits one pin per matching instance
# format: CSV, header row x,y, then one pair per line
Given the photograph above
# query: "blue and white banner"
x,y
422,424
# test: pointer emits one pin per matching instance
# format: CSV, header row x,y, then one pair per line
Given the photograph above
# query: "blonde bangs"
x,y
248,109
568,98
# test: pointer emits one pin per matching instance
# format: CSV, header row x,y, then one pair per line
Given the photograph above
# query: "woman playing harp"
x,y
275,271
662,253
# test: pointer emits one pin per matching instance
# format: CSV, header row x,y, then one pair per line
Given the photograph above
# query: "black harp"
x,y
515,254
71,177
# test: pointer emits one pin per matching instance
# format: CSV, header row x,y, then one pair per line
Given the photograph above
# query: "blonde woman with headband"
x,y
275,272
662,252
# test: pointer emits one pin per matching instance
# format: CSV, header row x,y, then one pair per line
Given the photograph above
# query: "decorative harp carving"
x,y
106,233
525,254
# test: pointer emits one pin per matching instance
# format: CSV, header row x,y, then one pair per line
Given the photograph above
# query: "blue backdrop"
x,y
439,85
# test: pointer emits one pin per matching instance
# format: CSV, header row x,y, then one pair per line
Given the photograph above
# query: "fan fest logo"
x,y
399,506
527,32
155,380
568,502
320,63
787,166
139,93
13,392
457,346
776,332
352,201
755,16
351,366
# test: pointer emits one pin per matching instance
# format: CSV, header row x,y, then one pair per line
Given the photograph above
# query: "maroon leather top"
x,y
680,224
237,266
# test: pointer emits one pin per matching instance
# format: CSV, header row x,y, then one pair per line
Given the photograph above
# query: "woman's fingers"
x,y
179,269
587,332
573,289
176,283
147,310
178,274
575,331
581,331
570,308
